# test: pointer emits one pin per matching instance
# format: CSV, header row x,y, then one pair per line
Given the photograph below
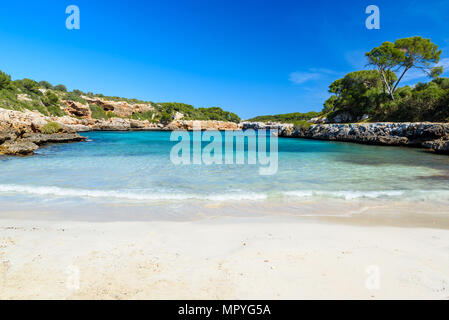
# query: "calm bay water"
x,y
128,167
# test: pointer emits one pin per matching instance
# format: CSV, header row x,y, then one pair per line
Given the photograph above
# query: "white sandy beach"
x,y
222,258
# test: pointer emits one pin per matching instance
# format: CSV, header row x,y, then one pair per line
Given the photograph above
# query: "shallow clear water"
x,y
128,167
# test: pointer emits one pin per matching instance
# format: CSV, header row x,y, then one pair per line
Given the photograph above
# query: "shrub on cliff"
x,y
50,127
192,113
51,102
166,118
5,81
148,115
303,124
28,86
98,112
61,87
72,96
286,118
50,98
45,84
8,100
216,113
55,110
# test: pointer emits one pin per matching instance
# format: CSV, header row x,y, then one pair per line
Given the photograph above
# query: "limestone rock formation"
x,y
439,146
409,134
203,125
18,147
119,108
77,109
265,126
20,132
41,139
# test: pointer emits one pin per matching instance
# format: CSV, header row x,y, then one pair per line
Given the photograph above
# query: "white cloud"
x,y
324,71
300,77
445,64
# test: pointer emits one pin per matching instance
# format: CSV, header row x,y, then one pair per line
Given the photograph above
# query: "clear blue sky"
x,y
251,57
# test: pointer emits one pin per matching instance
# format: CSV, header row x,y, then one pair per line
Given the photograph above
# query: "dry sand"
x,y
221,258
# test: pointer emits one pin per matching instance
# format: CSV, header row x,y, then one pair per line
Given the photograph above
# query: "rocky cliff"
x,y
121,109
21,132
203,125
427,135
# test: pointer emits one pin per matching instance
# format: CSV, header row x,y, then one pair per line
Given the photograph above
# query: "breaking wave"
x,y
144,195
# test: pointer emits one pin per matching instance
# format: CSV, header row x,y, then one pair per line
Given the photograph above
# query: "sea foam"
x,y
140,195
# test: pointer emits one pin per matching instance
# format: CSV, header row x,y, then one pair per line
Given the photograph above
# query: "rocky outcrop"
x,y
119,124
202,125
40,139
343,117
21,121
439,146
265,126
77,109
430,135
26,144
178,116
20,132
119,108
18,147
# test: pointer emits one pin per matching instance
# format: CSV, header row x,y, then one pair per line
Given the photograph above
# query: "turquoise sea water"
x,y
129,167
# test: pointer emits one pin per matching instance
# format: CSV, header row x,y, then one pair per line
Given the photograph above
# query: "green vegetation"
x,y
5,81
27,94
74,96
113,98
149,115
48,99
192,113
404,55
302,124
165,117
287,117
50,127
98,112
61,88
45,85
377,93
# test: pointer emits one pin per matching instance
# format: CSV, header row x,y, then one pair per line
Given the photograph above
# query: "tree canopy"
x,y
403,55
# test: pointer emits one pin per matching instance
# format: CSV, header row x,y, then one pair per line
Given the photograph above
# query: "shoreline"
x,y
426,135
363,212
21,132
22,148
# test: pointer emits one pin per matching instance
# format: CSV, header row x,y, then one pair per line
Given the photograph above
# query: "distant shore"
x,y
21,132
428,135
